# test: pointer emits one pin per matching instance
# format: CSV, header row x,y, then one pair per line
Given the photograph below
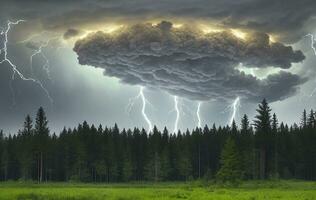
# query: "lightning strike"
x,y
314,50
143,110
144,100
39,51
40,48
176,108
313,92
312,42
15,70
32,37
198,114
185,110
234,107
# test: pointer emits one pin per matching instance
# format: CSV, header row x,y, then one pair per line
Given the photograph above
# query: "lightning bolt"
x,y
144,101
234,107
198,114
181,109
307,95
314,50
15,70
32,37
184,109
143,110
313,92
176,108
39,51
312,42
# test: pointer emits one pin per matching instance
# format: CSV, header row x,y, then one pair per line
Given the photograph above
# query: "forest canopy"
x,y
259,149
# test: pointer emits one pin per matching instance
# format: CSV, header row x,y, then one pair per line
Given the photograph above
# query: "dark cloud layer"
x,y
70,33
186,62
286,18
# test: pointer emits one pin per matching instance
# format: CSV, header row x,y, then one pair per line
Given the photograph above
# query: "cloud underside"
x,y
189,63
288,19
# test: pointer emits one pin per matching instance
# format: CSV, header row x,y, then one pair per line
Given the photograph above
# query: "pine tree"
x,y
276,145
165,164
127,169
42,135
231,170
262,124
153,168
5,159
2,150
304,120
245,124
311,119
234,128
25,154
184,165
274,123
100,169
246,147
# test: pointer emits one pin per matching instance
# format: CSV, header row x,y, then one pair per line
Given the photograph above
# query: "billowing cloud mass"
x,y
189,63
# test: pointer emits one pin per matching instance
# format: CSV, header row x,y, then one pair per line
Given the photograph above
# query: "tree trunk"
x,y
254,161
5,173
276,163
41,169
156,166
199,162
262,162
38,169
95,174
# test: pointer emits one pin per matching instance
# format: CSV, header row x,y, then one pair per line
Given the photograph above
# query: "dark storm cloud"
x,y
71,33
186,62
286,18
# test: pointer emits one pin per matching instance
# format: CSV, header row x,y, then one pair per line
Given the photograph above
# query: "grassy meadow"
x,y
269,190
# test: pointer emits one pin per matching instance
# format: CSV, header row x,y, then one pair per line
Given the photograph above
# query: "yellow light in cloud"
x,y
107,29
112,28
238,33
209,29
272,39
85,34
177,25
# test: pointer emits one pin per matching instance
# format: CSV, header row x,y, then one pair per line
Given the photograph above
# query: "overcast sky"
x,y
203,51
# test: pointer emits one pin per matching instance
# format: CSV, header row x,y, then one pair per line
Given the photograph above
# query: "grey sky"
x,y
85,93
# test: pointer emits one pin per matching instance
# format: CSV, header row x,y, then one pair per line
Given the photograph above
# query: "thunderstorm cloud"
x,y
189,63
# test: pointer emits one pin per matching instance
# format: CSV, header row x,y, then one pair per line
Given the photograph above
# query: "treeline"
x,y
257,149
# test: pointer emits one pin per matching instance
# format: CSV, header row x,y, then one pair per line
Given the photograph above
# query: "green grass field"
x,y
286,190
